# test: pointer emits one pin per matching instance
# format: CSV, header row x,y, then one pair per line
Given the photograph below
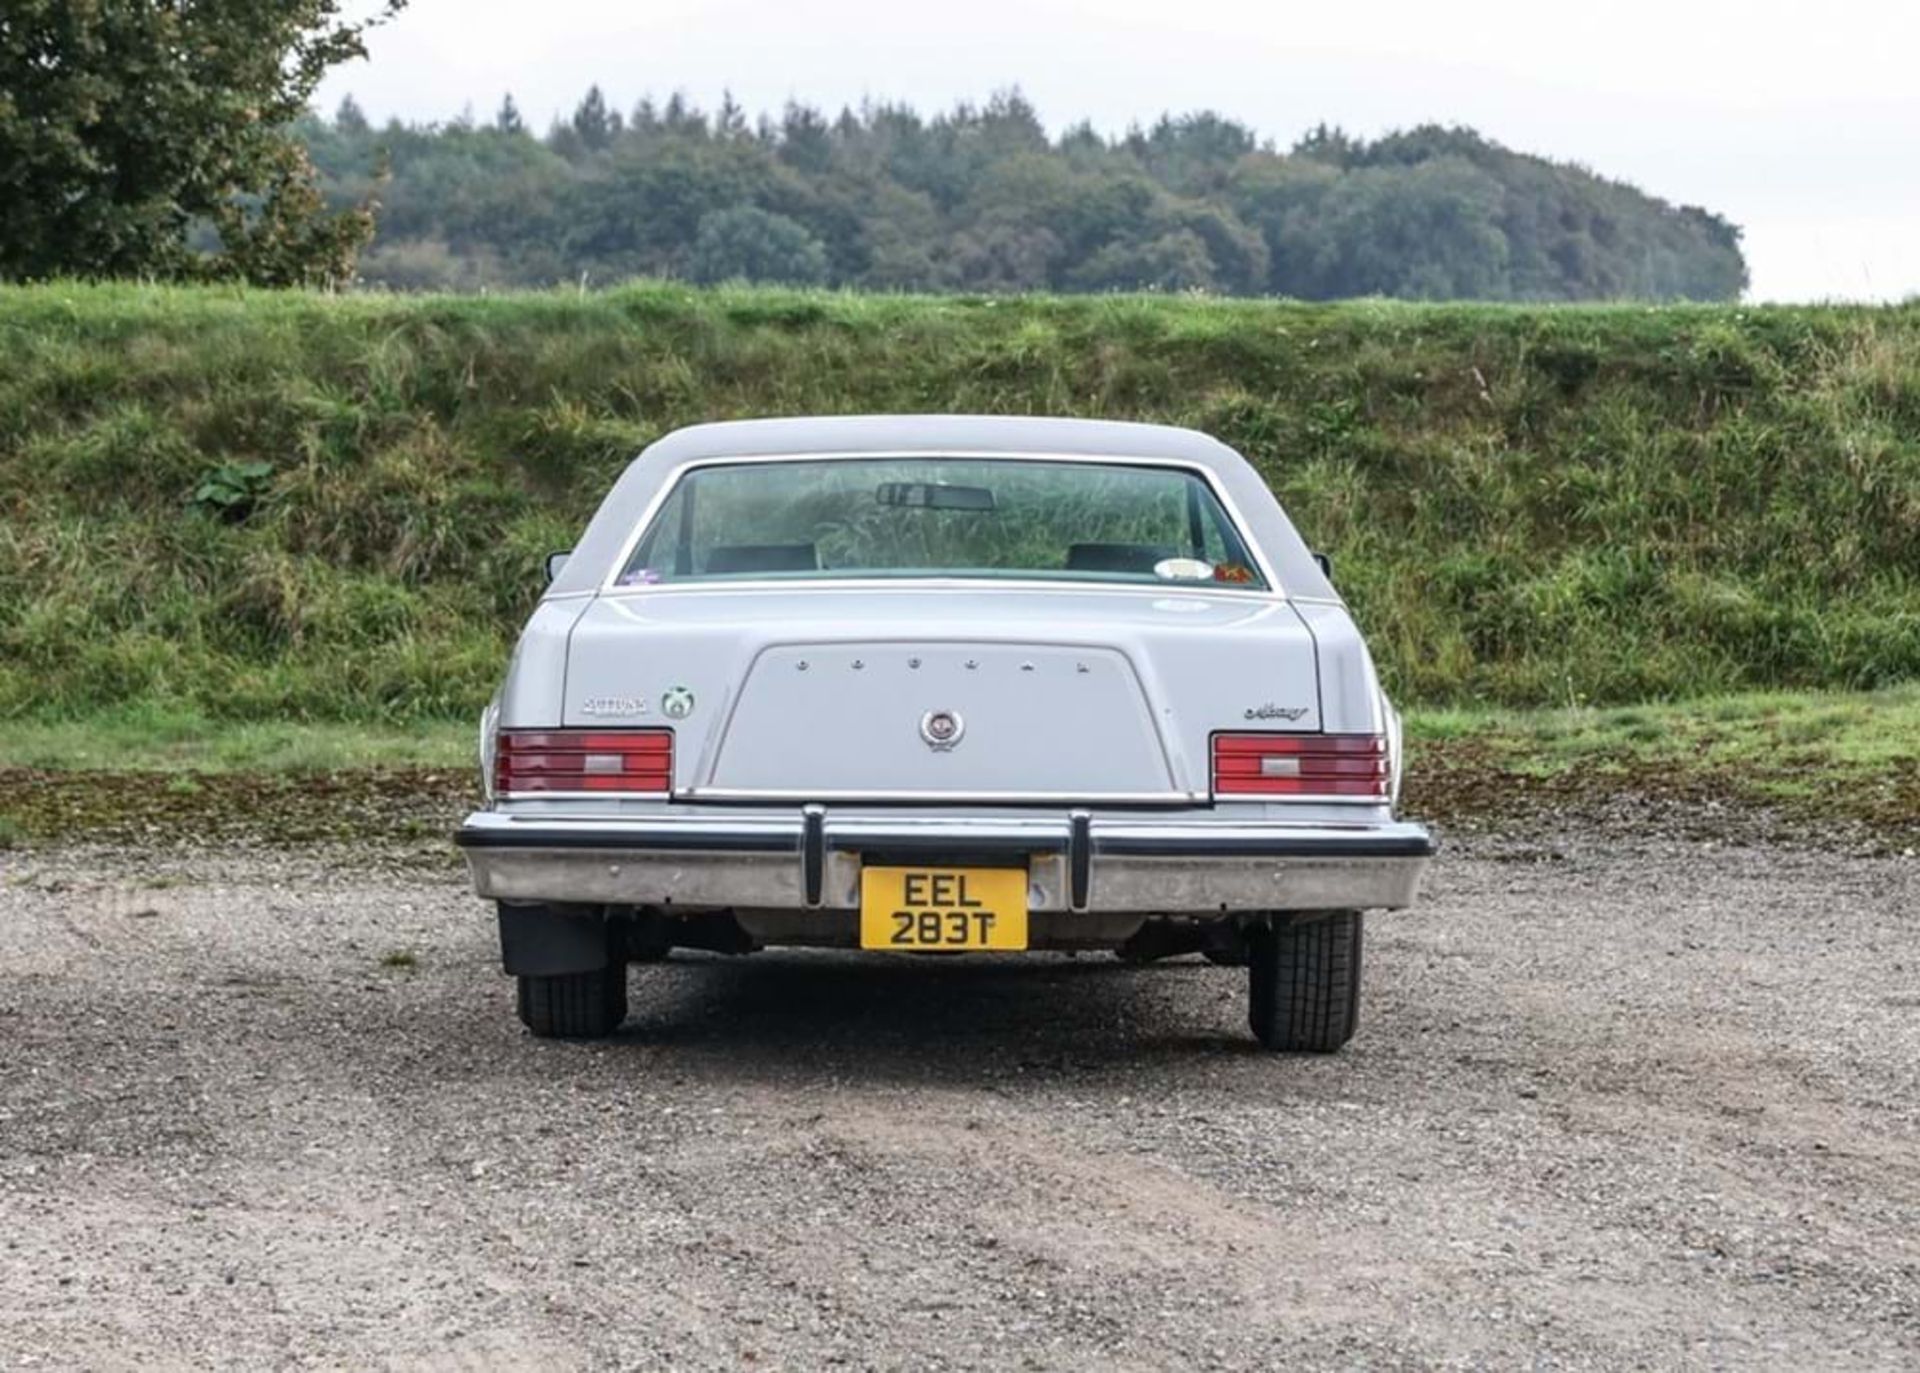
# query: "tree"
x,y
349,118
805,140
508,120
123,126
593,122
748,244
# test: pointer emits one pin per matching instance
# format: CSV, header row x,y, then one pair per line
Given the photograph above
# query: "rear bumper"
x,y
810,860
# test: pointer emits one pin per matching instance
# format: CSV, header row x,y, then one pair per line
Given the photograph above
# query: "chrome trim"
x,y
955,798
1196,868
674,477
583,795
921,585
496,829
700,880
1045,834
931,798
1203,885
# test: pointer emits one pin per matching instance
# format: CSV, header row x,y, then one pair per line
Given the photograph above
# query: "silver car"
x,y
939,685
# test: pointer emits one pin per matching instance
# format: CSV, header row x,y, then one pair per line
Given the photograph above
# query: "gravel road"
x,y
1640,1105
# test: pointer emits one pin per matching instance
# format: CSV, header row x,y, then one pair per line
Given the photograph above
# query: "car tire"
x,y
1303,983
574,1005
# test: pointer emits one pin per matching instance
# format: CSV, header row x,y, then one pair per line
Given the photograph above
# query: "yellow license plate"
x,y
915,910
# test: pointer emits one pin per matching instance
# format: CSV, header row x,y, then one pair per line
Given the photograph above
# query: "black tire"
x,y
575,1005
1303,983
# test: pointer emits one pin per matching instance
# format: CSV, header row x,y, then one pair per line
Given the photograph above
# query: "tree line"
x,y
174,139
983,198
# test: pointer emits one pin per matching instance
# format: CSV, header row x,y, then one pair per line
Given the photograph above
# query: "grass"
x,y
184,743
1772,735
1775,747
1528,507
1818,757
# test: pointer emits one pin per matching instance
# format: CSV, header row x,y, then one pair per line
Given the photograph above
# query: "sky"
x,y
1800,122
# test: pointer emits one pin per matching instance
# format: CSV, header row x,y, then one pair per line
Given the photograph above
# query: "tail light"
x,y
1302,765
636,761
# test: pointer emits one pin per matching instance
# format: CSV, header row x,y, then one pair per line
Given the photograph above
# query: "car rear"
x,y
773,725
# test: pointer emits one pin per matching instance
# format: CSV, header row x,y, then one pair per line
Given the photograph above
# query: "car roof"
x,y
601,545
940,434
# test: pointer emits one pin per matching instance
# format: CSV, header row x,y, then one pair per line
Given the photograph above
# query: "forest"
x,y
984,199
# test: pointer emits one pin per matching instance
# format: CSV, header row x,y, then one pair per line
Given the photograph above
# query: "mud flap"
x,y
549,941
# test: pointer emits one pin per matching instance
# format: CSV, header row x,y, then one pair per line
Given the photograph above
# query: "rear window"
x,y
942,517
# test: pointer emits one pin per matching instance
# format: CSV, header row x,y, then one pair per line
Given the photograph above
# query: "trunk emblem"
x,y
1273,712
942,729
677,704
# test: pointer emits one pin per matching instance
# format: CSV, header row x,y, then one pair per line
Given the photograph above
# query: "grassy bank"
x,y
253,507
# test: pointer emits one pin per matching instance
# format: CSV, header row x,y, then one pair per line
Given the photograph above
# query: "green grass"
x,y
1814,757
1528,507
1777,743
138,741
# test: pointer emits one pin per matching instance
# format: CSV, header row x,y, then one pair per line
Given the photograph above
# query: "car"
x,y
937,685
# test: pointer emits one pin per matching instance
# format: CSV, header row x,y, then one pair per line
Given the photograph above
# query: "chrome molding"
x,y
956,798
1197,868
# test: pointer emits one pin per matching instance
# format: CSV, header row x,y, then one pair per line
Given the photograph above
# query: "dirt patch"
x,y
390,809
1475,786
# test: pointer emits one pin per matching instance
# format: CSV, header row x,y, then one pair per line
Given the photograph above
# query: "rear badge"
x,y
613,705
1273,712
942,729
677,704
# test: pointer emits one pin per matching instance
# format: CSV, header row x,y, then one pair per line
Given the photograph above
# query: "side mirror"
x,y
556,561
1326,564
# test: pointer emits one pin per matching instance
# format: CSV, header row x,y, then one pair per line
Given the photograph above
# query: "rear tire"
x,y
1303,983
575,1005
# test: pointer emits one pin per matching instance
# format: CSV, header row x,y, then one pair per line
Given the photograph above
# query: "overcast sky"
x,y
1798,121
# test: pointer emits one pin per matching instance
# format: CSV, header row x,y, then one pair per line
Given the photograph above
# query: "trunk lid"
x,y
930,694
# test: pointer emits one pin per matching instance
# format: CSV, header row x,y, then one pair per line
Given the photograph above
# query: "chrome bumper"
x,y
811,860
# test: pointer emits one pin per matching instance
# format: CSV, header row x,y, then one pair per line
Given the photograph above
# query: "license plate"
x,y
920,909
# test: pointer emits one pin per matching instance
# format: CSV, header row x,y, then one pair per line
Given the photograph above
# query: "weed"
x,y
399,958
232,489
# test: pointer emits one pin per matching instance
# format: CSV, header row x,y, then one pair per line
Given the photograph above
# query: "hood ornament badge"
x,y
942,729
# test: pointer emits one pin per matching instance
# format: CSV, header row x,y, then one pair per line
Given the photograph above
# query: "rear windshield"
x,y
942,517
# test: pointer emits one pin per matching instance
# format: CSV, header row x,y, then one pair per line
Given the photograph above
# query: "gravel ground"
x,y
1644,1105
